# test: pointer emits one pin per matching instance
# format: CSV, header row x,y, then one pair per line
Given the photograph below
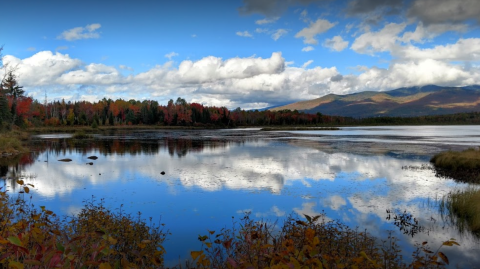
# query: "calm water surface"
x,y
353,175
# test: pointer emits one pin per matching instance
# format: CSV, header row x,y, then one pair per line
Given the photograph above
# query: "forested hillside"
x,y
403,102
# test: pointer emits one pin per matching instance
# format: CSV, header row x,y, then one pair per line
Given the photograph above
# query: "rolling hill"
x,y
403,102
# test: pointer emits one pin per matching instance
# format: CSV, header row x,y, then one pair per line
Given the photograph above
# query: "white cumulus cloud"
x,y
244,34
463,50
315,28
383,40
170,55
308,48
307,63
267,20
279,33
89,31
336,43
249,82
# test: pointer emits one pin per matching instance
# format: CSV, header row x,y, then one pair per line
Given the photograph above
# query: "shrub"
x,y
96,237
311,244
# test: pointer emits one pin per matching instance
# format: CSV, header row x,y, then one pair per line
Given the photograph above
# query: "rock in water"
x,y
92,157
90,163
65,160
163,173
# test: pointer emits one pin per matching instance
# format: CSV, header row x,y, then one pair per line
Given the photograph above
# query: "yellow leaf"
x,y
209,245
20,182
104,266
443,257
195,254
16,265
205,262
295,262
15,241
316,241
112,240
26,189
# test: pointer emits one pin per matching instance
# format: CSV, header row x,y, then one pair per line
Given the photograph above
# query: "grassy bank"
x,y
463,166
11,143
463,209
89,129
34,237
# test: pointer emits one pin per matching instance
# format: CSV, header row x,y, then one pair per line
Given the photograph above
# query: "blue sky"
x,y
247,53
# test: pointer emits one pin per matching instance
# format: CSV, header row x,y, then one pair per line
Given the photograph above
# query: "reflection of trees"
x,y
11,168
175,146
182,146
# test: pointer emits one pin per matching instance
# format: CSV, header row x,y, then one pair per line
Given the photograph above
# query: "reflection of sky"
x,y
452,135
271,179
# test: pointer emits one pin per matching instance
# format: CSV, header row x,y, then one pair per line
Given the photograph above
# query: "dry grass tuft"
x,y
463,166
464,209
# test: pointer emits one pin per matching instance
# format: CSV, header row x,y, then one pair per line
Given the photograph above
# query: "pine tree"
x,y
11,89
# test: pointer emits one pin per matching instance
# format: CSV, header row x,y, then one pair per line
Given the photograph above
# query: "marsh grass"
x,y
463,166
81,134
463,209
11,142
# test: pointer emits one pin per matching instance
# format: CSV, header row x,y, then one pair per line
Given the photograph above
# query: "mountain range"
x,y
403,102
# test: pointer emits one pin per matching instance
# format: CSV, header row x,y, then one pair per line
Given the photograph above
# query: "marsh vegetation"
x,y
463,166
11,143
463,209
35,237
268,173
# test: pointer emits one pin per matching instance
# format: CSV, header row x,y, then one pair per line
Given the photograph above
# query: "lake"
x,y
353,175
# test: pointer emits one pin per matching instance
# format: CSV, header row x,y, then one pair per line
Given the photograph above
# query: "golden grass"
x,y
464,209
454,160
10,143
462,166
80,134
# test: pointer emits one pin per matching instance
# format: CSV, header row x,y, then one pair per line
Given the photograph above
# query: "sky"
x,y
237,53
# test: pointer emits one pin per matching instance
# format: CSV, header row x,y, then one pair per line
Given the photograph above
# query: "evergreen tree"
x,y
10,88
5,115
111,122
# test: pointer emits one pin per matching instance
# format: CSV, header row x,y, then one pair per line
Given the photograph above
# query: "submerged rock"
x,y
65,160
92,157
162,173
90,163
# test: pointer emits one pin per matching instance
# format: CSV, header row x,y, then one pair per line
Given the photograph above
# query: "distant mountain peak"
x,y
404,102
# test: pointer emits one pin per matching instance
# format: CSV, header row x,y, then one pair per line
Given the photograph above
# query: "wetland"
x,y
373,178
